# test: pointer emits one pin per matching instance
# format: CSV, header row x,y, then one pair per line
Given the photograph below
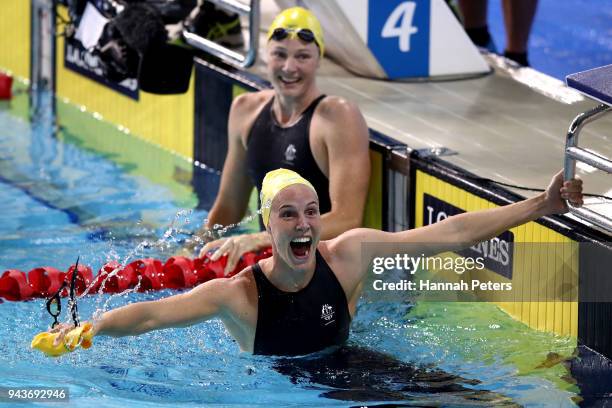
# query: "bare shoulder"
x,y
336,107
338,119
242,281
223,289
344,258
349,244
333,258
325,250
243,288
245,109
340,248
249,101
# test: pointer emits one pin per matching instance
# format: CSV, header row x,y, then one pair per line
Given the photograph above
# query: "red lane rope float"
x,y
6,85
177,272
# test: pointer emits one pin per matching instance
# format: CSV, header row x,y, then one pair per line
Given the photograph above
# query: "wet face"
x,y
295,225
292,65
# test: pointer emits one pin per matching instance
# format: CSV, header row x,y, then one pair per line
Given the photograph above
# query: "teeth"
x,y
289,81
301,240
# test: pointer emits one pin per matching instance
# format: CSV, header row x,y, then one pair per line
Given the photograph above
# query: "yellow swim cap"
x,y
295,19
273,183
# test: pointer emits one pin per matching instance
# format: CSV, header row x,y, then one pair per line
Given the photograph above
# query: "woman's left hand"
x,y
559,190
234,247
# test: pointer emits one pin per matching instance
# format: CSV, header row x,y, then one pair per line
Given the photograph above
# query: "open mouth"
x,y
288,81
300,247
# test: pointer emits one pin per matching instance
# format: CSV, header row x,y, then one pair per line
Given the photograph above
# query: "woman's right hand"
x,y
62,329
64,338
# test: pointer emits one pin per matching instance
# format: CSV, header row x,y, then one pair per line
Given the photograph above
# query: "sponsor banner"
x,y
495,252
80,60
543,273
544,279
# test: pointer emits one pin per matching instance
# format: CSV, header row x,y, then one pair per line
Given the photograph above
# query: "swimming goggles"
x,y
54,303
303,34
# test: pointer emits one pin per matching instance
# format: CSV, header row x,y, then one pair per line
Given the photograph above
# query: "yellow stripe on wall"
x,y
372,217
167,120
15,37
551,267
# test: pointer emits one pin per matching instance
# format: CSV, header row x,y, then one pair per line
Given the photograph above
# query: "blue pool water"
x,y
60,201
62,198
567,36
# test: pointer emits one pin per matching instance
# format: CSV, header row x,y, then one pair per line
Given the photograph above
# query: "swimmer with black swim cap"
x,y
302,299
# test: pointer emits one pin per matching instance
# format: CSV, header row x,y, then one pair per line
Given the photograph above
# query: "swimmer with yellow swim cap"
x,y
297,22
294,126
273,183
302,299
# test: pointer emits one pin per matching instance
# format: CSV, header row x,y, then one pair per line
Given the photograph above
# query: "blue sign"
x,y
498,252
78,59
398,36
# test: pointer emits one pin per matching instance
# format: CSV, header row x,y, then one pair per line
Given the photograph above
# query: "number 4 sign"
x,y
398,36
399,24
406,38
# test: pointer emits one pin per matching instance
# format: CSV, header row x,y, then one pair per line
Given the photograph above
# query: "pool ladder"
x,y
226,54
573,153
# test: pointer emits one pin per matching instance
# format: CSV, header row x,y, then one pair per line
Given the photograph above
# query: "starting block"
x,y
596,84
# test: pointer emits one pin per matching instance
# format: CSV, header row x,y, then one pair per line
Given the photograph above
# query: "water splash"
x,y
165,242
218,231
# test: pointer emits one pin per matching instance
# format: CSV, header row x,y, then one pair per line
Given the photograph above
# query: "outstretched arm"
x,y
202,303
455,232
206,301
472,227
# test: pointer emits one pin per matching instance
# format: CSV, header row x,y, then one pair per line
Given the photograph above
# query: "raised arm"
x,y
472,227
453,233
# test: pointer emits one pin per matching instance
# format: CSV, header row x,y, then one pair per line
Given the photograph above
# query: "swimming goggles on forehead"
x,y
303,34
54,303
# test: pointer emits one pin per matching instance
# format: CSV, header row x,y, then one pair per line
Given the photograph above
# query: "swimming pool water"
x,y
566,37
62,196
61,200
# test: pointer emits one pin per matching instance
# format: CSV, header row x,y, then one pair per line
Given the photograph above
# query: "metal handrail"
x,y
42,58
225,54
573,153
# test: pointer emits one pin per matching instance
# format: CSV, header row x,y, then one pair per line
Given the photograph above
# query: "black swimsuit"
x,y
302,322
270,146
